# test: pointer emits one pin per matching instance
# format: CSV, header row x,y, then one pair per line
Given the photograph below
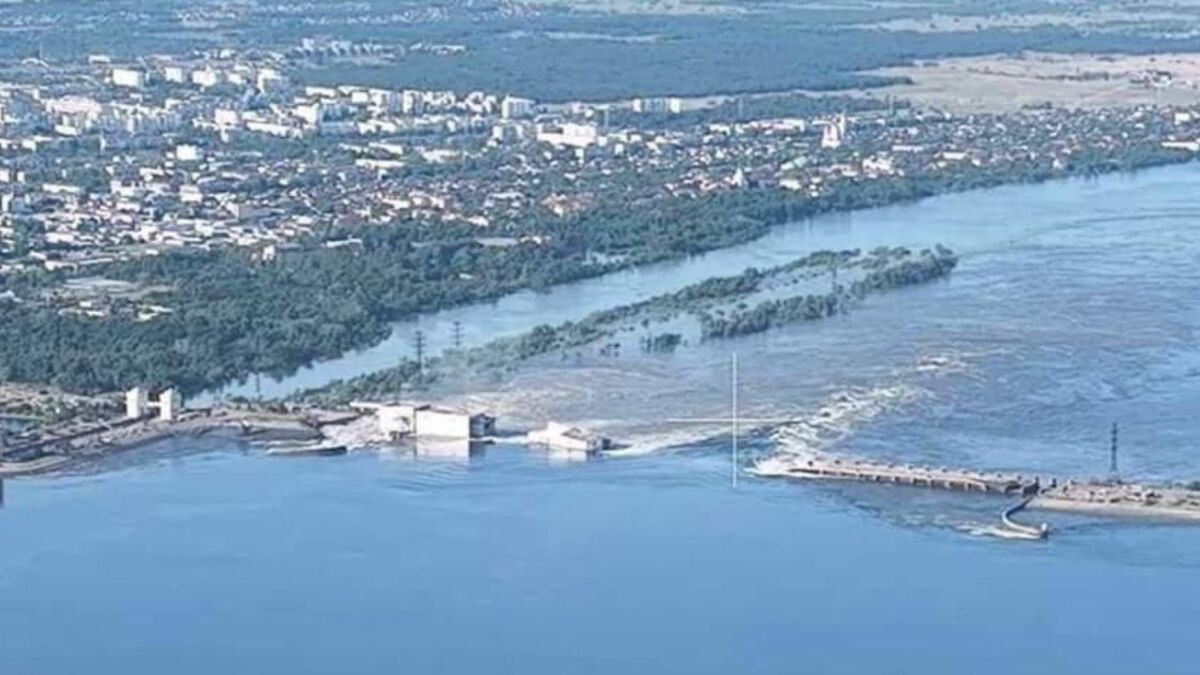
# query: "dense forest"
x,y
768,51
553,52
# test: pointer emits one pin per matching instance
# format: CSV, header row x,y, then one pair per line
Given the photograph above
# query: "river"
x,y
1073,307
942,219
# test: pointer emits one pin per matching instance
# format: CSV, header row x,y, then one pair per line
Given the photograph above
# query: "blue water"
x,y
234,564
15,424
1074,306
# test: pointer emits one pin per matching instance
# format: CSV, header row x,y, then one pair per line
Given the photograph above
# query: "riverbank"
x,y
1094,498
755,300
23,406
55,449
673,230
1133,511
957,219
1126,500
1069,237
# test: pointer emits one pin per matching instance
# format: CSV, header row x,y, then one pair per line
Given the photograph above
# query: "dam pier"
x,y
903,474
302,430
1110,497
940,478
58,447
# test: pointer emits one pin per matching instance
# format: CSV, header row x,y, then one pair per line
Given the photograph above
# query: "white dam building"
x,y
401,420
571,439
138,404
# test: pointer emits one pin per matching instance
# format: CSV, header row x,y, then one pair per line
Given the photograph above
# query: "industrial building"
x,y
834,133
139,403
569,134
128,77
572,439
512,108
400,420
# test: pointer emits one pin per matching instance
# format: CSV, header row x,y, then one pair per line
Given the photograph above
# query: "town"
x,y
103,161
115,174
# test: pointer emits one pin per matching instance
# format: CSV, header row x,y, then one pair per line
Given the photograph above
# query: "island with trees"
x,y
720,307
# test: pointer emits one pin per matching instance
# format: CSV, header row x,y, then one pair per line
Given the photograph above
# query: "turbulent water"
x,y
1073,307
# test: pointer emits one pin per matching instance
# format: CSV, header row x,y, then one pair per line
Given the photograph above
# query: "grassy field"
x,y
998,83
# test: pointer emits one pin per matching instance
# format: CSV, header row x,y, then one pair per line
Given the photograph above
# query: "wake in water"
x,y
818,435
657,406
846,410
839,416
970,527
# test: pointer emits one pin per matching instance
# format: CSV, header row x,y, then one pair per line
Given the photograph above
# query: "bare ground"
x,y
1003,83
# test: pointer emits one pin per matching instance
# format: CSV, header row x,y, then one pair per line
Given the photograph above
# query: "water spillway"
x,y
961,480
903,474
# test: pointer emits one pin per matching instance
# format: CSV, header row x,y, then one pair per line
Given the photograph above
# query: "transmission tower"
x,y
458,333
419,350
1112,455
833,286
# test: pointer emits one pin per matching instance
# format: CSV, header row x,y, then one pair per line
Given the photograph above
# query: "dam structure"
x,y
57,447
830,468
821,467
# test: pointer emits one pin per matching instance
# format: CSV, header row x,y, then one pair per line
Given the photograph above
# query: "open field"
x,y
46,403
1001,83
649,7
1100,19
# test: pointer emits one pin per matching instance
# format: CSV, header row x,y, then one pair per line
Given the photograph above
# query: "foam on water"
x,y
631,401
838,416
655,406
852,407
653,441
995,531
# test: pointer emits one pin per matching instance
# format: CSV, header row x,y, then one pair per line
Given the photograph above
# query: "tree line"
x,y
781,312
